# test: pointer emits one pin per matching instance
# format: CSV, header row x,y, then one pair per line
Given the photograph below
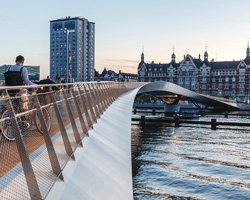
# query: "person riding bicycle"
x,y
17,75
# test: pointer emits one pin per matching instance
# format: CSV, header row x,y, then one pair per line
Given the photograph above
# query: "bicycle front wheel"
x,y
6,127
46,118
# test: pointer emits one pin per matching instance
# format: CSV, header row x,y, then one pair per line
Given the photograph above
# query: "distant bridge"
x,y
166,91
86,152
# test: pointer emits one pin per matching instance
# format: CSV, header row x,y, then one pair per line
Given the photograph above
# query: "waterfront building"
x,y
72,49
110,75
33,72
227,79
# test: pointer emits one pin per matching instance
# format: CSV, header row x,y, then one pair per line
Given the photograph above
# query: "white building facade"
x,y
228,79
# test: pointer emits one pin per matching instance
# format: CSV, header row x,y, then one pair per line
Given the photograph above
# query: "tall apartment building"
x,y
228,79
72,49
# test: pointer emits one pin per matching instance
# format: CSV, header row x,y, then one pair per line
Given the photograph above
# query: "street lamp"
x,y
69,56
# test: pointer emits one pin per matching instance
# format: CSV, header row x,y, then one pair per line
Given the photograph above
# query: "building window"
x,y
149,69
233,79
220,79
213,79
226,79
155,69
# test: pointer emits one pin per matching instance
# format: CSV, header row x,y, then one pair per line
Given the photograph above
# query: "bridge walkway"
x,y
102,167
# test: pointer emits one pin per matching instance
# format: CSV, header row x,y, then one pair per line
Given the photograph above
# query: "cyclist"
x,y
17,75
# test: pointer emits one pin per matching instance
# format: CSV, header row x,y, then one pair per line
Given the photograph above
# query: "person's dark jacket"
x,y
47,81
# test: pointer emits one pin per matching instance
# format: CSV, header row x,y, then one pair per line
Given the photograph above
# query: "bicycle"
x,y
24,122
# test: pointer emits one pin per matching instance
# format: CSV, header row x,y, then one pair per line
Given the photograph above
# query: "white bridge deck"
x,y
50,166
102,168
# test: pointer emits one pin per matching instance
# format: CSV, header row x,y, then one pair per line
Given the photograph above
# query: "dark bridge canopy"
x,y
167,89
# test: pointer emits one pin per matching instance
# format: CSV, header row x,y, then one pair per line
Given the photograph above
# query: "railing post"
x,y
65,137
111,92
72,120
110,99
125,88
98,98
108,94
83,125
84,108
94,114
50,148
114,90
105,103
94,102
26,164
119,89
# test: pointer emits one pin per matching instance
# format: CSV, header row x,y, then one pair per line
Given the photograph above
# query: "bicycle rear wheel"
x,y
47,120
6,127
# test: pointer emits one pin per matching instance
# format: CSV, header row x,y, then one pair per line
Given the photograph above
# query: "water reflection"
x,y
191,162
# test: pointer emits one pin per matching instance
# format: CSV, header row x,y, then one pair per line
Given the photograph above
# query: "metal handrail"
x,y
87,100
52,85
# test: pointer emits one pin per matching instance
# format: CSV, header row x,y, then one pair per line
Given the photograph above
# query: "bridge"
x,y
72,141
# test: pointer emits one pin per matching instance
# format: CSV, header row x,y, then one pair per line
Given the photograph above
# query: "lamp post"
x,y
69,56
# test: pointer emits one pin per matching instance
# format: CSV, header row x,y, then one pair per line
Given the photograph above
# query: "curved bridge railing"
x,y
30,162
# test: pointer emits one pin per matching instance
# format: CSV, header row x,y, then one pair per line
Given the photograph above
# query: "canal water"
x,y
191,161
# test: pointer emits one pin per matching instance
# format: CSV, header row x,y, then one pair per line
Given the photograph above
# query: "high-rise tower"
x,y
72,49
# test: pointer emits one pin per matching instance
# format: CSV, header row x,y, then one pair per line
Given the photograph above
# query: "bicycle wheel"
x,y
6,127
47,120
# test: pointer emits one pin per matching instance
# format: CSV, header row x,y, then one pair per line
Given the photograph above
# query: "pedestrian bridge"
x,y
74,141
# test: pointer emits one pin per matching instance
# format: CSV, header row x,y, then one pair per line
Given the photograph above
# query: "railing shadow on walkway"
x,y
30,161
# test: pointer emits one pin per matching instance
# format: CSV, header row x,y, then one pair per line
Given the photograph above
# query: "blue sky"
x,y
122,27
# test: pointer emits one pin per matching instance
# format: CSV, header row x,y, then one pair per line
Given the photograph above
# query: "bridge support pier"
x,y
213,124
177,121
142,121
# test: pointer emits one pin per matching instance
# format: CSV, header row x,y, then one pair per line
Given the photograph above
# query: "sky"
x,y
124,27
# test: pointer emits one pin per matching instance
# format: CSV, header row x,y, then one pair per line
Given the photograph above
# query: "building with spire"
x,y
228,79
